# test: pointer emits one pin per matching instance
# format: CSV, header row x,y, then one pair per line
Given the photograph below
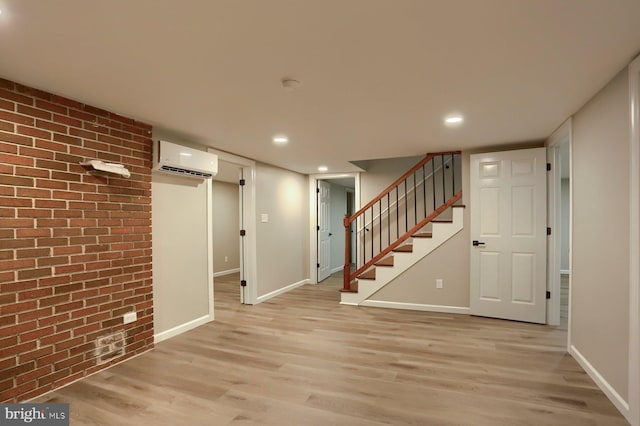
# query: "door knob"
x,y
477,243
330,234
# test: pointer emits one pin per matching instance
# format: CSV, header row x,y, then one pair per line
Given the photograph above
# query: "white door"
x,y
508,233
324,234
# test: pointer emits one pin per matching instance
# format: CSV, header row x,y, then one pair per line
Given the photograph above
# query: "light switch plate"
x,y
264,217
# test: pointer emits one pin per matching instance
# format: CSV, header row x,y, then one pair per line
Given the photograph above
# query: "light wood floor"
x,y
303,359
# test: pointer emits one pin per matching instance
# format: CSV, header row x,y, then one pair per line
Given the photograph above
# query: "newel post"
x,y
347,255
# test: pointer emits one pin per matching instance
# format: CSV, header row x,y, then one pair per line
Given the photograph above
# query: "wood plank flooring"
x,y
303,359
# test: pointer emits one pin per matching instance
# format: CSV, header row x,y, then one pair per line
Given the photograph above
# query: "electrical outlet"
x,y
130,317
226,258
439,283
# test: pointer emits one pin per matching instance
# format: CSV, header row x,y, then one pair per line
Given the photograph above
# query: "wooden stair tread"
x,y
442,221
387,261
407,248
459,205
368,275
423,235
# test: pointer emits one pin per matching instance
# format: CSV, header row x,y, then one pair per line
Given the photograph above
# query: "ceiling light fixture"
x,y
453,119
280,140
323,168
289,84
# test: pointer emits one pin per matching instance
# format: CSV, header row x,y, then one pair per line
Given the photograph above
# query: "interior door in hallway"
x,y
324,230
508,233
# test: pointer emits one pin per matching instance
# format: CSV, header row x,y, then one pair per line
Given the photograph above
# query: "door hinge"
x,y
548,295
243,283
317,265
242,182
548,166
317,190
243,232
318,228
548,231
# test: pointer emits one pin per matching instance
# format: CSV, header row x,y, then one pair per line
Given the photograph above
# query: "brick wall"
x,y
75,248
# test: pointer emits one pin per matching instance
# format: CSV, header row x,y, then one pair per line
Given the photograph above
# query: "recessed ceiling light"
x,y
280,140
323,168
454,119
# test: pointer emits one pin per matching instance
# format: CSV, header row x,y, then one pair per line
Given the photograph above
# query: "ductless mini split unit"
x,y
180,160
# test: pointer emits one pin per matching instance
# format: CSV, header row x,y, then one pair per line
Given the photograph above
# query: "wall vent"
x,y
109,347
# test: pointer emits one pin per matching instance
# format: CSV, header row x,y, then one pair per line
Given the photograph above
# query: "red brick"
x,y
60,109
55,338
33,374
54,184
16,139
35,152
53,300
31,315
34,213
16,160
50,204
27,233
30,91
16,349
66,307
53,146
33,193
15,202
6,94
16,118
47,125
33,335
7,265
34,112
15,223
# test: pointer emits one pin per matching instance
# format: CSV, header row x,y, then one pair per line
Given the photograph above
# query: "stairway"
x,y
403,257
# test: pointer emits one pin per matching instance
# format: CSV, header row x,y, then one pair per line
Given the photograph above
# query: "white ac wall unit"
x,y
180,160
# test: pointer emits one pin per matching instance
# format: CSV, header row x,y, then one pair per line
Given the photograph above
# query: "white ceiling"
x,y
378,76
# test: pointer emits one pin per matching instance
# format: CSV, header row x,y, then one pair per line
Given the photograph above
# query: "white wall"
x,y
564,224
338,212
180,252
283,241
600,263
226,226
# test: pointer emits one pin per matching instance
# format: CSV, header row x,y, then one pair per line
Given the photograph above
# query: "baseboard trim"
x,y
164,335
279,291
415,307
565,272
337,269
227,272
605,387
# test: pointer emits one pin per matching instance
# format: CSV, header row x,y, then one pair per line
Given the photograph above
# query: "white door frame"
x,y
313,218
561,135
634,245
248,256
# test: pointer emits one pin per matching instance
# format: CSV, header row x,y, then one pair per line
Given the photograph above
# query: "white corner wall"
x,y
601,226
181,261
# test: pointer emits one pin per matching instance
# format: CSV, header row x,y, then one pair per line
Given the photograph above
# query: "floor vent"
x,y
109,347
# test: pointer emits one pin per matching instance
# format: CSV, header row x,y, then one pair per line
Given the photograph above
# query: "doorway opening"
x,y
332,198
240,173
559,194
227,223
